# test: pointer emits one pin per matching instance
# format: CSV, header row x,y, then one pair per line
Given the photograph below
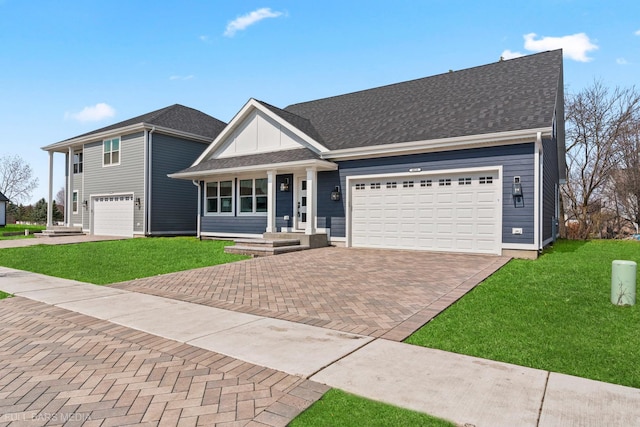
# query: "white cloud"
x,y
244,21
621,61
189,77
94,113
575,46
507,54
637,33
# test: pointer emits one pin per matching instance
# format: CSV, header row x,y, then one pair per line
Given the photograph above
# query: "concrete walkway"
x,y
301,359
60,240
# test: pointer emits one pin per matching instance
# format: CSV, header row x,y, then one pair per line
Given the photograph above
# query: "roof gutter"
x,y
321,165
62,146
441,144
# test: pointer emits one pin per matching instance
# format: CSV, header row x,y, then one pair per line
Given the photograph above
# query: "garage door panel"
x,y
455,213
113,216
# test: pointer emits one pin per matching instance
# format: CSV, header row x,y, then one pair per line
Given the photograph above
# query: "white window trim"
x,y
75,209
233,198
80,163
119,152
253,196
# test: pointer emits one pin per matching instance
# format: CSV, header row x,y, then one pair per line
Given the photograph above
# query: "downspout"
x,y
147,199
537,214
197,184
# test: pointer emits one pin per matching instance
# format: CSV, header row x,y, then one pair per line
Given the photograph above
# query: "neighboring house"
x,y
117,180
3,209
466,161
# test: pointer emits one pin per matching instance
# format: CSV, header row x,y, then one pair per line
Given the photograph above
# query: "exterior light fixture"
x,y
138,202
85,204
335,194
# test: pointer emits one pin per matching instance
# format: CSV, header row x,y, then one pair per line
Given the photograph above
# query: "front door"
x,y
301,188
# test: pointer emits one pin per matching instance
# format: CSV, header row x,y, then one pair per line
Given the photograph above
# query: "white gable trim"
x,y
246,113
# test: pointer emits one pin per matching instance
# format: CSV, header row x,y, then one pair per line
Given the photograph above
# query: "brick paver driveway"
x,y
381,293
59,368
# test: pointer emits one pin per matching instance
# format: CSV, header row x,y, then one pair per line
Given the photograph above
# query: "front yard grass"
x,y
337,408
553,313
19,228
118,260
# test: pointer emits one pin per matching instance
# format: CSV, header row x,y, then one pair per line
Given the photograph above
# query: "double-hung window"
x,y
77,162
253,195
111,152
219,197
75,202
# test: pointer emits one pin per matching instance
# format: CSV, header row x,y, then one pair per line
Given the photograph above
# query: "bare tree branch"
x,y
16,179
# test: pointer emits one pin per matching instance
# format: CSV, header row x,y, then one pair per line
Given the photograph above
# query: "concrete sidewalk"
x,y
463,389
60,240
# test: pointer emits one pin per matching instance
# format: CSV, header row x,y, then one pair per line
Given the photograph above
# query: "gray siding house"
x,y
116,176
466,161
3,209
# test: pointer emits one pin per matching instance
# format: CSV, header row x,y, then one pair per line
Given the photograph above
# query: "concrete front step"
x,y
267,242
59,231
257,250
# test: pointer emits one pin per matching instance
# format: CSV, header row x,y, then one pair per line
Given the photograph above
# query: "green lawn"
x,y
118,260
19,228
553,313
337,408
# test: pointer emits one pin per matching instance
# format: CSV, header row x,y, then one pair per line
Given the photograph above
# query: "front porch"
x,y
277,243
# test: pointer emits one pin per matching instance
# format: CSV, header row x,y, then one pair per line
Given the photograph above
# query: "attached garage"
x,y
113,215
443,211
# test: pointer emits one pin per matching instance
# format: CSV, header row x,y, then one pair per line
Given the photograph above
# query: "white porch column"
x,y
68,209
271,201
50,201
312,187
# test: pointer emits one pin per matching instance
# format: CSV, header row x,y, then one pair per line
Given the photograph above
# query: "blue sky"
x,y
68,67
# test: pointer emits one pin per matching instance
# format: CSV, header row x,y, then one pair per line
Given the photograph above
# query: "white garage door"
x,y
448,212
113,216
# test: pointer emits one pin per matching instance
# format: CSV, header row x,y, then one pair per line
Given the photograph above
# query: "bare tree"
x,y
16,179
61,197
625,182
597,120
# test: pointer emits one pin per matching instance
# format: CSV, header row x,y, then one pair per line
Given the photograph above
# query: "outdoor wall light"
x,y
85,204
335,194
284,185
516,192
138,202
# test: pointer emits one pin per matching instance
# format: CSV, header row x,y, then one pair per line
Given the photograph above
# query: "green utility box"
x,y
623,282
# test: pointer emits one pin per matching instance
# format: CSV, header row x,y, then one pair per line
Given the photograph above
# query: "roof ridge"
x,y
390,85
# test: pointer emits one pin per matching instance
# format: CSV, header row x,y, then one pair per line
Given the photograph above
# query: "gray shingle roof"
x,y
503,96
300,122
294,155
177,117
3,198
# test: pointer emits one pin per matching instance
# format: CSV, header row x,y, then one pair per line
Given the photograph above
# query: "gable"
x,y
257,134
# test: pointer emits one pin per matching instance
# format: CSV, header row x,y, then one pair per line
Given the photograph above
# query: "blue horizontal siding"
x,y
234,224
516,160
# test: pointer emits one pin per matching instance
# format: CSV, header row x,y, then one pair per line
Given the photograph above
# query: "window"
x,y
464,181
253,195
425,183
360,186
486,180
74,203
111,152
375,185
77,162
407,184
219,197
444,182
392,184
